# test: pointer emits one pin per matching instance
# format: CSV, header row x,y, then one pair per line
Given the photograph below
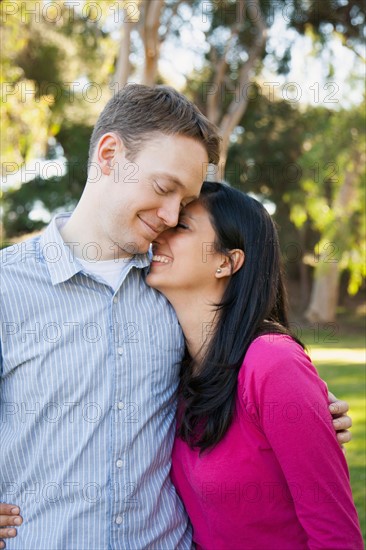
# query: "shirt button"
x,y
119,463
120,351
120,405
119,520
115,299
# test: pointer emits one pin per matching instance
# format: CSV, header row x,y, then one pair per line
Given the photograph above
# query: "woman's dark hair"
x,y
254,303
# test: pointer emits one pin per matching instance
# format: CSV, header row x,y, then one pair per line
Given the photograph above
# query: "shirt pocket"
x,y
167,347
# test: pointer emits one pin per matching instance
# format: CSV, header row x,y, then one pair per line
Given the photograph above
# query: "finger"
x,y
331,397
344,437
8,533
10,520
339,407
342,423
9,509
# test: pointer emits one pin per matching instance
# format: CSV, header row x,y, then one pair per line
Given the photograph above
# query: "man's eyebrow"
x,y
169,177
177,182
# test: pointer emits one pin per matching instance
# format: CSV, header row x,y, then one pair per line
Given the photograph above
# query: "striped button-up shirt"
x,y
87,403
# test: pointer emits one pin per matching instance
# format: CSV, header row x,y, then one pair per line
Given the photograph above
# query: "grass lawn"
x,y
342,365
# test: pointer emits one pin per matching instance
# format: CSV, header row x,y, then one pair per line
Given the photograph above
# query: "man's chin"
x,y
131,248
142,247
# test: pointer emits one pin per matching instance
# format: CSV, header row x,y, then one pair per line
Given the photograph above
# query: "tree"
x,y
151,20
42,64
310,164
25,115
264,160
334,203
236,34
237,39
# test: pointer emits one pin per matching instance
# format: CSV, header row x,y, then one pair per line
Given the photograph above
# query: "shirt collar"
x,y
58,255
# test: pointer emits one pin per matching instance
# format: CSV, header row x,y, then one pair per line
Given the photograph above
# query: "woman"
x,y
255,461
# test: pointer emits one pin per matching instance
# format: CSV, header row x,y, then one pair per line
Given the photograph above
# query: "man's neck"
x,y
81,232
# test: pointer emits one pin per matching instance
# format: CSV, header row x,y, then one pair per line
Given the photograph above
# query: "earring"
x,y
218,270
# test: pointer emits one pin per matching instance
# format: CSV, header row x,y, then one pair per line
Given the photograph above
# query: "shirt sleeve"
x,y
292,406
1,361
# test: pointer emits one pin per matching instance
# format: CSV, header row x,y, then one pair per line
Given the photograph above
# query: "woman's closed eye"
x,y
182,225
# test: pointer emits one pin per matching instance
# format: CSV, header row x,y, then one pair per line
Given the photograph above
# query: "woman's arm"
x,y
299,429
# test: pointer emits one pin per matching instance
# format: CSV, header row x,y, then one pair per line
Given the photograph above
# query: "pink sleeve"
x,y
291,401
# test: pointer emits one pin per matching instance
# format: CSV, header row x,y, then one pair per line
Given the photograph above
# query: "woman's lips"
x,y
161,259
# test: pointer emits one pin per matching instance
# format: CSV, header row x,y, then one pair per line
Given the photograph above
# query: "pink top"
x,y
278,479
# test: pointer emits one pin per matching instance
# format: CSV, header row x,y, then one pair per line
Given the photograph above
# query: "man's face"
x,y
140,199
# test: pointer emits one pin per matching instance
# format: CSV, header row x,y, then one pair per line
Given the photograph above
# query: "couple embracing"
x,y
181,352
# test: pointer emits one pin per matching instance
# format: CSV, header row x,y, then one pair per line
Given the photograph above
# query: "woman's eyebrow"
x,y
185,214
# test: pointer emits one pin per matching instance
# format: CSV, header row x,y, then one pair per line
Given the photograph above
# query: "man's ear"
x,y
231,264
109,148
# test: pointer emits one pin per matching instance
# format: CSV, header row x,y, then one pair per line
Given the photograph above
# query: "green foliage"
x,y
264,154
55,194
264,160
325,18
348,382
310,164
47,65
334,196
269,153
24,117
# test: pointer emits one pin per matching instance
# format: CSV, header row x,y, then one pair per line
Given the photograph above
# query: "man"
x,y
89,354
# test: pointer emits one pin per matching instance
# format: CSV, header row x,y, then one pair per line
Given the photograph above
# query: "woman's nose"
x,y
162,238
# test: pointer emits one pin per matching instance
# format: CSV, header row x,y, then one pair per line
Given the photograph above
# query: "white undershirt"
x,y
108,270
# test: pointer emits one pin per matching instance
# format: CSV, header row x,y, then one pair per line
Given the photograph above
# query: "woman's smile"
x,y
161,259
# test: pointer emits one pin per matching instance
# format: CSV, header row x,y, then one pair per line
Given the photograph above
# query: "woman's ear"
x,y
237,259
231,264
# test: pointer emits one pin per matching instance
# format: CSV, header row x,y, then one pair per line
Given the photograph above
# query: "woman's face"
x,y
184,257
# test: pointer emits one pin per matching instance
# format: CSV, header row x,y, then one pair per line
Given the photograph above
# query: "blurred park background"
x,y
284,82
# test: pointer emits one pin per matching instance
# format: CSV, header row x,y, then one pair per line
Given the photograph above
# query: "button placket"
x,y
119,471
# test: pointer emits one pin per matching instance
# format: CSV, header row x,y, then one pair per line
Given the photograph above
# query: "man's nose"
x,y
169,213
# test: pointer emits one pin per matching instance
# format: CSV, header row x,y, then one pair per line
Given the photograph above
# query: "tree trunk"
x,y
324,296
238,105
304,279
325,291
151,40
122,71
